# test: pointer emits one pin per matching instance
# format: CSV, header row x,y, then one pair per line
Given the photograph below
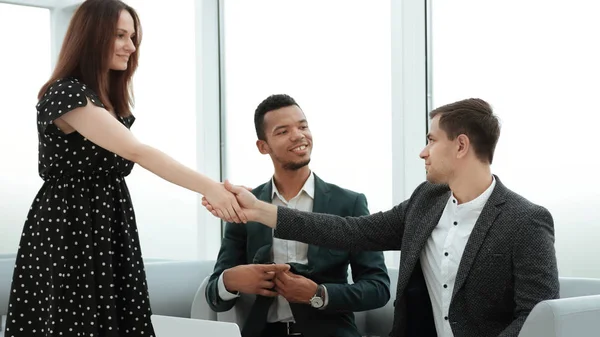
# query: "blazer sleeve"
x,y
371,287
377,232
231,254
534,268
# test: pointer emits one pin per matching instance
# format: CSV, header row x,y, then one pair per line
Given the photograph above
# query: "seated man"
x,y
476,256
313,298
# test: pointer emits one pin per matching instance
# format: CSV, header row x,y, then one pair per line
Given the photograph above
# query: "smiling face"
x,y
124,45
288,138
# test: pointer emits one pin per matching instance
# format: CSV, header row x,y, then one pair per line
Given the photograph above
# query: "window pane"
x,y
333,57
24,67
165,93
537,64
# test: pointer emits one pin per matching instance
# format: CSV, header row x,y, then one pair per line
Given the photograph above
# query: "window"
x,y
25,66
165,95
536,63
335,61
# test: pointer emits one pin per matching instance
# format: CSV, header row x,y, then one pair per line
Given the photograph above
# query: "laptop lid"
x,y
168,326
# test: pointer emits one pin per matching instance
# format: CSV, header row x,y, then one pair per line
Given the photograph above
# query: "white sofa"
x,y
177,289
576,314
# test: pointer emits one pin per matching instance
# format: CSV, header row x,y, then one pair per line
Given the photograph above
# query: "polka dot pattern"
x,y
79,268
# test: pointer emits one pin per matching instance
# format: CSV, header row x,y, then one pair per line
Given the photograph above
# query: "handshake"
x,y
237,204
269,280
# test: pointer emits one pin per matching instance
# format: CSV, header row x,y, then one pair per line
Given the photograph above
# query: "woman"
x,y
79,269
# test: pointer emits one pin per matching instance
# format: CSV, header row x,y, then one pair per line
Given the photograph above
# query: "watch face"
x,y
316,302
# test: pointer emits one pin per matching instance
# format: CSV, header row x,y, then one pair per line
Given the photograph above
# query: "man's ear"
x,y
263,147
463,145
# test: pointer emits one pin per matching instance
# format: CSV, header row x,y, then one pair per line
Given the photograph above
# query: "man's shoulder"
x,y
259,189
501,193
342,201
516,203
341,191
343,196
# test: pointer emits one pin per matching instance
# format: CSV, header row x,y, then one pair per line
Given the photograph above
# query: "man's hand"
x,y
295,288
252,208
253,278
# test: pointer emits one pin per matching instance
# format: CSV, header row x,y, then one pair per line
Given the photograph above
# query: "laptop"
x,y
168,326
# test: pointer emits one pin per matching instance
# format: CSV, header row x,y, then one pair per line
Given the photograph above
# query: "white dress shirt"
x,y
443,251
284,251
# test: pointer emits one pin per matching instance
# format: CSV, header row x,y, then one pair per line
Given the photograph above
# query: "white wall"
x,y
536,62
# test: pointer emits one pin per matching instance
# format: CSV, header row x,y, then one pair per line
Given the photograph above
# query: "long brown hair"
x,y
87,51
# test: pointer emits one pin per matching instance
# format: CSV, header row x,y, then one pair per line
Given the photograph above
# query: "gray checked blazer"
x,y
508,265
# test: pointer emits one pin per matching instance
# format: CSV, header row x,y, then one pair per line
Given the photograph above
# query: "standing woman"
x,y
79,269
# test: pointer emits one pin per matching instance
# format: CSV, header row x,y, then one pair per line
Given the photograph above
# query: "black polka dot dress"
x,y
79,269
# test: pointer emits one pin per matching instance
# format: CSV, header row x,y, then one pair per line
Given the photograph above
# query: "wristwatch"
x,y
318,299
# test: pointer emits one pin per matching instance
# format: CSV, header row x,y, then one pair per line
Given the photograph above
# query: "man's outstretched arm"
x,y
377,232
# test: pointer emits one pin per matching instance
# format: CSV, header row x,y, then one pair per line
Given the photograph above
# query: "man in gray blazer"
x,y
476,257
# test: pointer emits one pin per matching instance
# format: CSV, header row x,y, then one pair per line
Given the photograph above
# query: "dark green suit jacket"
x,y
252,244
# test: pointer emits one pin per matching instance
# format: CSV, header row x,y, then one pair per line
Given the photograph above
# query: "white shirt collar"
x,y
308,188
480,201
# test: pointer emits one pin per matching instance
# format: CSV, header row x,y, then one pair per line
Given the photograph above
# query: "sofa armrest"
x,y
566,317
200,308
172,285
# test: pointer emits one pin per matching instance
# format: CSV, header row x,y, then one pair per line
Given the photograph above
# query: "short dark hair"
x,y
270,103
474,118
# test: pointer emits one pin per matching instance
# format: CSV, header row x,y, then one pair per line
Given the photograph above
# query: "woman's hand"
x,y
245,198
224,204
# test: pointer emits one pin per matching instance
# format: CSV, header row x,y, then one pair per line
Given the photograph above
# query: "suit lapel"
x,y
257,318
428,222
320,205
262,232
484,223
